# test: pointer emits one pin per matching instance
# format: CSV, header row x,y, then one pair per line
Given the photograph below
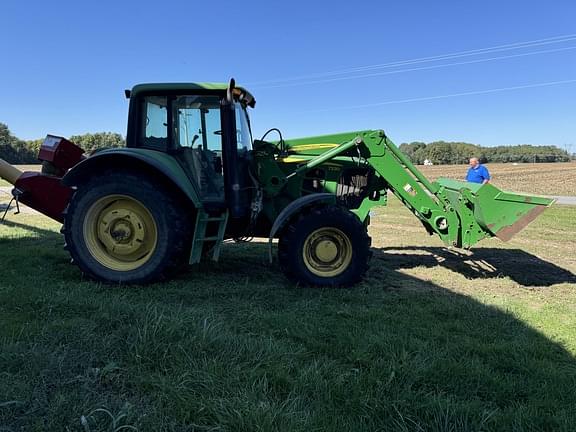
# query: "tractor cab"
x,y
206,128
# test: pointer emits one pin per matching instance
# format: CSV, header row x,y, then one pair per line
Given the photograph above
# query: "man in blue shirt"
x,y
477,173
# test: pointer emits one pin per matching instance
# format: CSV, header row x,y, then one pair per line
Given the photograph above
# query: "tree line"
x,y
16,151
444,153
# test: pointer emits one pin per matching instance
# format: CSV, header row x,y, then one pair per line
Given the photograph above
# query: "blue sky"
x,y
65,65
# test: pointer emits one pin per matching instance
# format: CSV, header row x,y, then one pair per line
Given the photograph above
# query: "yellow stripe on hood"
x,y
313,146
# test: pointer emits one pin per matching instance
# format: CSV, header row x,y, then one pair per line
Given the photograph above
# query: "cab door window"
x,y
198,124
198,140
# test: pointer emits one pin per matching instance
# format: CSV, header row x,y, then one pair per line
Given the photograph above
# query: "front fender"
x,y
293,208
150,161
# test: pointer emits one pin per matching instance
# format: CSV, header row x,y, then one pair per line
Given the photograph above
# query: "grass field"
x,y
432,340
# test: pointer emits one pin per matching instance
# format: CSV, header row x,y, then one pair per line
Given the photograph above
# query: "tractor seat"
x,y
201,167
155,143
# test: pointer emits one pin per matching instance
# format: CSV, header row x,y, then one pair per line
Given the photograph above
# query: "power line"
x,y
446,96
513,46
420,68
498,48
508,47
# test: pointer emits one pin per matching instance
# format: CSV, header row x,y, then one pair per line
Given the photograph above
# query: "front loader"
x,y
192,176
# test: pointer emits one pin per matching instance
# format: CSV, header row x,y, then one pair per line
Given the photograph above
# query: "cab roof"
x,y
186,87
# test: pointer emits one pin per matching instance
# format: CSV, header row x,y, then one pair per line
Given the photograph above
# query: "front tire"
x,y
124,228
326,246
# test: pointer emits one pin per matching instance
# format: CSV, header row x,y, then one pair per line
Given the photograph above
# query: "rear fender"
x,y
292,209
152,162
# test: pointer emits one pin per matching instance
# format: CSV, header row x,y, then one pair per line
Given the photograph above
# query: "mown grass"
x,y
430,341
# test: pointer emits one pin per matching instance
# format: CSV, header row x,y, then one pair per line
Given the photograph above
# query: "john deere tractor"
x,y
192,175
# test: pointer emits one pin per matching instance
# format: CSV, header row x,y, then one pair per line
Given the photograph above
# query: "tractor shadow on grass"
x,y
379,356
524,268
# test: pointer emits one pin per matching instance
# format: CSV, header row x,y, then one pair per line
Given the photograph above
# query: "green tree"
x,y
413,152
440,152
12,149
17,151
97,141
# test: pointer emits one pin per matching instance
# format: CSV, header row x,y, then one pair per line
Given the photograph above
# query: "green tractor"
x,y
192,175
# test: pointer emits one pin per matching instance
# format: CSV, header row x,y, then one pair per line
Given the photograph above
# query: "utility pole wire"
x,y
498,48
352,77
446,96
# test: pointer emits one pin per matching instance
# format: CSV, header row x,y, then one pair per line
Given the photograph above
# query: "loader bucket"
x,y
498,213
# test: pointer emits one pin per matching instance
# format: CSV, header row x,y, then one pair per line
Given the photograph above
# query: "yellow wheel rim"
x,y
120,232
327,252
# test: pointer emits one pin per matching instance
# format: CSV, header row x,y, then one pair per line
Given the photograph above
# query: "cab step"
x,y
203,222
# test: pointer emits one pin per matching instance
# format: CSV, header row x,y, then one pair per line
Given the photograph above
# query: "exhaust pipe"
x,y
9,173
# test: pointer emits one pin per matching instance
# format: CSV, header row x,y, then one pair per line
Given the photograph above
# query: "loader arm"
x,y
455,225
460,213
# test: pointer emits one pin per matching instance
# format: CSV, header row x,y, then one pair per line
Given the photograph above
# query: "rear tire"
x,y
326,246
124,228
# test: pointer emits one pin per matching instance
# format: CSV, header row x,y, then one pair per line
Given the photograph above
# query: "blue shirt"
x,y
477,174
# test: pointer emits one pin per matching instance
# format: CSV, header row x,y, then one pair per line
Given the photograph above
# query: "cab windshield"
x,y
243,132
